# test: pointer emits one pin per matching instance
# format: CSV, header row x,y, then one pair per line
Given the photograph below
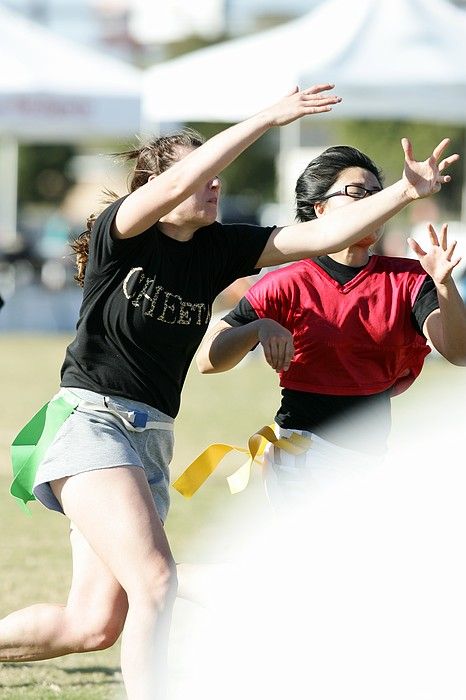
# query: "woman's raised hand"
x,y
426,177
439,260
299,103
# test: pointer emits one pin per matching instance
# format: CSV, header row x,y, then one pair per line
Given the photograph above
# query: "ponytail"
x,y
80,248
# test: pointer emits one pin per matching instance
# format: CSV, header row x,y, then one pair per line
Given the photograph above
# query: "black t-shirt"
x,y
147,303
340,419
1,302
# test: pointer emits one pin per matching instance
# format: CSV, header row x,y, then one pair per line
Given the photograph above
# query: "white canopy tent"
x,y
54,90
388,58
400,59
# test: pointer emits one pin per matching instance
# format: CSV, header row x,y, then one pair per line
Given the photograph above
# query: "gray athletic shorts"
x,y
90,440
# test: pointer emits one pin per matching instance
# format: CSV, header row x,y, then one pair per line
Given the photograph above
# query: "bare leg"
x,y
115,512
92,618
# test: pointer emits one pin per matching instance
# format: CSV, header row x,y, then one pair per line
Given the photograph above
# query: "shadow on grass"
x,y
112,675
107,671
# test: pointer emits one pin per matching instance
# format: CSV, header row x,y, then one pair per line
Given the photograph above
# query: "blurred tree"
x,y
191,43
253,171
43,173
381,141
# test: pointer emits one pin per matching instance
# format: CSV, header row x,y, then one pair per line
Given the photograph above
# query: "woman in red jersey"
x,y
345,331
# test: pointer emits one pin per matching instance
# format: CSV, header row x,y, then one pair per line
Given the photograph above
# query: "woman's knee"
x,y
106,635
95,630
163,582
157,585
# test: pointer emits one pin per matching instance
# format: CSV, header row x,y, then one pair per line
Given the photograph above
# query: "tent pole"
x,y
289,139
463,184
8,191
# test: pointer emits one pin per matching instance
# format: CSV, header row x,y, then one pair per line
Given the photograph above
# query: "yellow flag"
x,y
205,464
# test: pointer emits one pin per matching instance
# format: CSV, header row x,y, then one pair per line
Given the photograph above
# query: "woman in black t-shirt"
x,y
155,261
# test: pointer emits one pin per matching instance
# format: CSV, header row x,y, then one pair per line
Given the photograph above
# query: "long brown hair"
x,y
151,158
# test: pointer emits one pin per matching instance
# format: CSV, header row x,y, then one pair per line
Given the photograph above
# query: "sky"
x,y
159,20
207,17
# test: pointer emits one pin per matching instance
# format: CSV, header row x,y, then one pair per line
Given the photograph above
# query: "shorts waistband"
x,y
134,415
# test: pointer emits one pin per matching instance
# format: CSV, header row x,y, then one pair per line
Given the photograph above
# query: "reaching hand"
x,y
277,343
438,262
425,177
299,103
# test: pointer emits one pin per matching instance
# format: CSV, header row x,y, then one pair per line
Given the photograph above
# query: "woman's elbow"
x,y
455,357
457,360
204,365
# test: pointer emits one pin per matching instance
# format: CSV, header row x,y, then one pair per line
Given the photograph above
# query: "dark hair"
x,y
151,158
322,172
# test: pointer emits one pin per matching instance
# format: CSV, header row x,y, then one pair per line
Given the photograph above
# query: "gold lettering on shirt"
x,y
187,310
172,309
166,316
153,301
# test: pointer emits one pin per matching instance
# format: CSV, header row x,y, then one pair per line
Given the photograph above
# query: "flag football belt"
x,y
205,464
31,443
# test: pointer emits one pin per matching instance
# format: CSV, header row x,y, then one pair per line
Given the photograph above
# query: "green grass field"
x,y
34,551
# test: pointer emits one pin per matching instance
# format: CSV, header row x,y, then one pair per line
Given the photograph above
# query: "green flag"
x,y
31,443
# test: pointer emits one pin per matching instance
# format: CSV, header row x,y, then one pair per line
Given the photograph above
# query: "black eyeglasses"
x,y
353,191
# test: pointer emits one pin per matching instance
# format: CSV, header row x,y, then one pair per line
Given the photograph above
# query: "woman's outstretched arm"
x,y
144,207
347,225
445,327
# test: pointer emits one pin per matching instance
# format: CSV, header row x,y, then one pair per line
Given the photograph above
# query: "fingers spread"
x,y
318,88
432,235
407,148
443,236
438,150
320,99
450,250
448,161
317,110
416,248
